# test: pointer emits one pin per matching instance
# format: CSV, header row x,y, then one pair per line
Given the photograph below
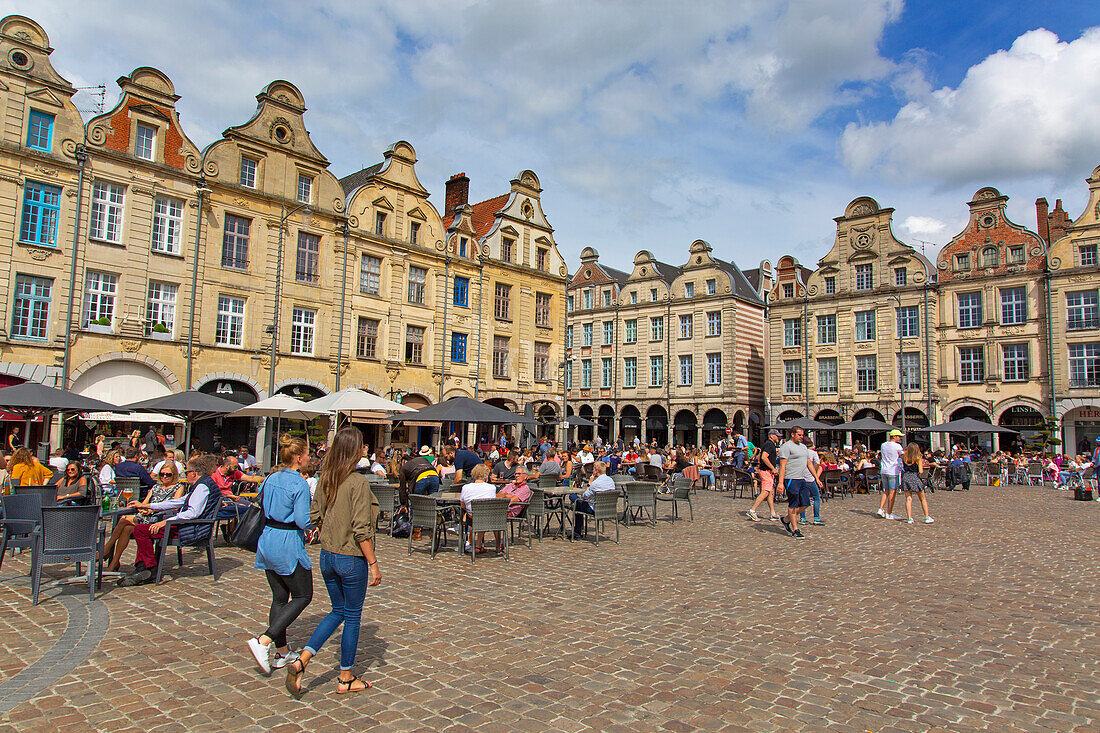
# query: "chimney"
x,y
458,192
1058,222
1042,222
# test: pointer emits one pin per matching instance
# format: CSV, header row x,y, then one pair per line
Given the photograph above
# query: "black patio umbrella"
x,y
31,400
575,421
464,409
188,406
967,426
865,425
805,423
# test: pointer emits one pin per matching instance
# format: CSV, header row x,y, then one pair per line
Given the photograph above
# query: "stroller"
x,y
958,475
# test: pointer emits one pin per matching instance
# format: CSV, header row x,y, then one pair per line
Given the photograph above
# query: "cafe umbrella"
x,y
967,426
865,425
188,406
31,400
465,410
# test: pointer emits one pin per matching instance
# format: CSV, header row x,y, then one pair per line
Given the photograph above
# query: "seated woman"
x,y
478,488
72,490
566,460
26,469
168,487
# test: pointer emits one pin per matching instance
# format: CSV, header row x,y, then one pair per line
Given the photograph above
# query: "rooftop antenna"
x,y
99,94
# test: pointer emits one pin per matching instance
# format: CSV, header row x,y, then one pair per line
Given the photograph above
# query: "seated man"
x,y
224,476
130,468
582,502
551,468
246,460
517,492
478,488
201,502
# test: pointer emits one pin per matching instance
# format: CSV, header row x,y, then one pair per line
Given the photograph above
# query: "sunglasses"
x,y
166,474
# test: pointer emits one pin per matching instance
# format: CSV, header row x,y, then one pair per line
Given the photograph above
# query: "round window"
x,y
282,134
19,59
588,274
988,220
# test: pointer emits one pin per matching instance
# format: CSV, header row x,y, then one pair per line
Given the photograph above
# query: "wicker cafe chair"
x,y
424,513
202,539
387,501
641,496
132,483
678,495
22,516
536,513
489,515
521,520
546,482
605,508
68,534
47,495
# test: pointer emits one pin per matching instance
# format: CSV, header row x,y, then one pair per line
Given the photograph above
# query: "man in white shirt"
x,y
890,473
58,461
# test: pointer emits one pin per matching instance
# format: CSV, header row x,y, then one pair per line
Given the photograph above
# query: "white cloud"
x,y
1026,111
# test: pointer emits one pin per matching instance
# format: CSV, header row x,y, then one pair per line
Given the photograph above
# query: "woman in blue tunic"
x,y
281,553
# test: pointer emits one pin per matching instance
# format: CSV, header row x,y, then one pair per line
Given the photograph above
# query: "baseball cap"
x,y
774,431
895,432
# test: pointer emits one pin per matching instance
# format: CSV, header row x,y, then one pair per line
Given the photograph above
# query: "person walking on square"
x,y
813,483
281,553
769,459
890,471
793,474
346,511
912,483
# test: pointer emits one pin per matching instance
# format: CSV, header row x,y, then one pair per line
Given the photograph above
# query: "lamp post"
x,y
566,369
901,357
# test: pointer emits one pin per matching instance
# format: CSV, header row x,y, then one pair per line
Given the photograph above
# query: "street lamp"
x,y
566,369
901,360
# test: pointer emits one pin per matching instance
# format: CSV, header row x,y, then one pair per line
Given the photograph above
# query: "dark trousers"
x,y
290,594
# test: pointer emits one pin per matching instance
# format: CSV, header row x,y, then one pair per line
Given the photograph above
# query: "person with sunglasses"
x,y
168,487
72,489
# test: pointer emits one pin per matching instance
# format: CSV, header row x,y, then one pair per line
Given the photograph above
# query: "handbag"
x,y
250,525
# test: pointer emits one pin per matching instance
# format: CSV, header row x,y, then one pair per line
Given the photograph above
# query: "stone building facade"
x,y
842,337
666,353
248,268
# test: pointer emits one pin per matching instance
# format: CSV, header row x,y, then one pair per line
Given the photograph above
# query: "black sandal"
x,y
294,678
349,683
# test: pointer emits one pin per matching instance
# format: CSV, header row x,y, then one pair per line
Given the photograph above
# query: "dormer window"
x,y
1086,254
689,290
145,140
379,223
506,247
540,258
788,290
901,276
634,297
990,257
962,261
865,277
248,172
1016,254
305,188
830,285
712,286
653,295
39,131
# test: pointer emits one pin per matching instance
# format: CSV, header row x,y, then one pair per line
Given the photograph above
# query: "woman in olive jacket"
x,y
346,511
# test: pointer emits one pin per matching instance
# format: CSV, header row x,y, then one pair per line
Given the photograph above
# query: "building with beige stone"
x,y
666,353
844,336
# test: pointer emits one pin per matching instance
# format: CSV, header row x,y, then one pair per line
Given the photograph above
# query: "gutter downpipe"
x,y
343,310
443,340
81,159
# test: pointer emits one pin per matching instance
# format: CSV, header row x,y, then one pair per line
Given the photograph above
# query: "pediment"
x,y
416,213
510,230
899,259
382,203
46,96
544,241
150,110
863,256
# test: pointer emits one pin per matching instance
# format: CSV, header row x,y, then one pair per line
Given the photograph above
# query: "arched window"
x,y
989,257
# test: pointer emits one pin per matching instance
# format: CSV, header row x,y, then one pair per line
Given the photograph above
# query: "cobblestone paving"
x,y
985,620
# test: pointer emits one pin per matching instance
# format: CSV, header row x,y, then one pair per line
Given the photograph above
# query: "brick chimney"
x,y
458,192
1042,221
1058,222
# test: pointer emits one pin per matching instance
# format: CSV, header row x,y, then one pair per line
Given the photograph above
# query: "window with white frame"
x,y
145,141
235,242
542,362
160,309
108,201
500,357
909,371
686,364
605,372
788,290
41,208
1084,365
970,310
366,338
830,285
826,329
1015,362
414,344
167,225
714,323
908,321
631,329
653,295
607,298
586,296
712,286
792,376
586,374
502,302
634,297
100,289
31,314
657,328
608,333
229,326
1013,306
866,373
370,275
901,276
414,237
305,188
865,277
586,334
689,290
630,371
792,332
380,223
826,376
569,301
656,371
248,172
418,281
302,324
1086,255
865,326
714,368
687,326
307,267
971,364
1083,310
569,336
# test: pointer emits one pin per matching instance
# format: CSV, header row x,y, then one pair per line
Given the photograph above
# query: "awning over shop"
x,y
137,417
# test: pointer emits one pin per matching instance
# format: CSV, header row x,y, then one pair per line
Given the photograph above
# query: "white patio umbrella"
x,y
280,406
352,400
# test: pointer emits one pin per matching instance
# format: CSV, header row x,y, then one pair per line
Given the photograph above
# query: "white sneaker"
x,y
281,660
881,513
893,516
928,520
752,515
261,653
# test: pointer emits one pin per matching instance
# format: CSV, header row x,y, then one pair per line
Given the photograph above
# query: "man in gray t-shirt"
x,y
794,475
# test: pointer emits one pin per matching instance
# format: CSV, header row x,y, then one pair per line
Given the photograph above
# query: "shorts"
x,y
798,493
767,482
890,483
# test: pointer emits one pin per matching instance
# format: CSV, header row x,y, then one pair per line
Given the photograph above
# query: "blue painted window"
x,y
462,292
458,348
41,204
40,131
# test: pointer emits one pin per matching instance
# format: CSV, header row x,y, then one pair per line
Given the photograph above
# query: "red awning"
x,y
12,417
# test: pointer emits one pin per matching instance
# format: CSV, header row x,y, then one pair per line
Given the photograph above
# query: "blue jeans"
x,y
346,579
739,459
708,477
816,494
426,485
232,509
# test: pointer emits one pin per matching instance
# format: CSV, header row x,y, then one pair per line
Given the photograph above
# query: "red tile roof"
x,y
484,214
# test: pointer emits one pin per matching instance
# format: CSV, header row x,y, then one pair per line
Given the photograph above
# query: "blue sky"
x,y
747,123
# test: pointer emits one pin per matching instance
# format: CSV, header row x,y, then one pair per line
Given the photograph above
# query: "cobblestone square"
x,y
985,620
